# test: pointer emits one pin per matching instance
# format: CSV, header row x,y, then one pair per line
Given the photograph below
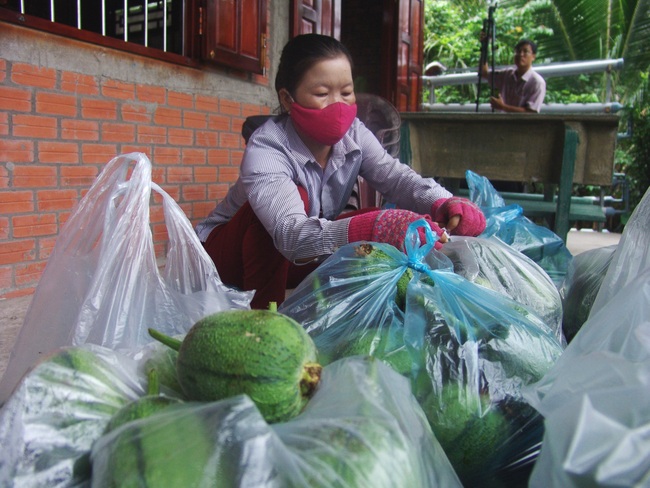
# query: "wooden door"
x,y
408,26
316,16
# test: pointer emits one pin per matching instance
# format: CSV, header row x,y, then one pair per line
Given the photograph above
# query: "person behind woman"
x,y
285,213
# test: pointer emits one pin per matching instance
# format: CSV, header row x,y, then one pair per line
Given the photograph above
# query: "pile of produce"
x,y
467,349
245,404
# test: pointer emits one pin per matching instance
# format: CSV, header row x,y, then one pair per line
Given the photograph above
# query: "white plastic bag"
x,y
102,285
595,398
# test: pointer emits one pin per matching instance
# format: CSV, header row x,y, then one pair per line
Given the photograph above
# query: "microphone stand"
x,y
490,34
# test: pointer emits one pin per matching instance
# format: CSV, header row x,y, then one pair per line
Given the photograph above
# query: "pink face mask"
x,y
327,125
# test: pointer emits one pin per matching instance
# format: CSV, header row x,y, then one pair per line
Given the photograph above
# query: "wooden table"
x,y
556,149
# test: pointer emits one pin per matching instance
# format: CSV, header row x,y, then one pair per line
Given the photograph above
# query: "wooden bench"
x,y
535,206
557,150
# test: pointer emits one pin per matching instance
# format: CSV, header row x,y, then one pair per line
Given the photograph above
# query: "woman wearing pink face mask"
x,y
286,212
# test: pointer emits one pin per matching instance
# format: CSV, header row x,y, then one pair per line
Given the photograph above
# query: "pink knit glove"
x,y
388,226
472,220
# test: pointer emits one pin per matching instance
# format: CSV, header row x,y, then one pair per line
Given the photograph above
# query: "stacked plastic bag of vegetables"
x,y
492,263
65,426
509,224
581,285
595,399
466,349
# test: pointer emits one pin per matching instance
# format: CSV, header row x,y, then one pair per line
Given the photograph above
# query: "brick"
x,y
118,89
16,202
4,124
16,151
194,120
229,107
4,177
207,138
228,174
4,228
34,126
192,193
46,246
23,292
136,148
30,75
148,93
35,225
98,153
3,70
98,109
78,175
218,157
176,99
194,156
81,130
207,103
29,274
116,132
148,134
248,109
58,152
79,83
166,155
6,279
159,233
230,140
167,116
179,175
17,251
180,137
219,122
15,99
34,176
217,191
174,191
205,174
51,200
56,104
135,113
158,174
200,210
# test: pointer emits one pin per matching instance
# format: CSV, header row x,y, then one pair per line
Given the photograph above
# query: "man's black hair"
x,y
527,42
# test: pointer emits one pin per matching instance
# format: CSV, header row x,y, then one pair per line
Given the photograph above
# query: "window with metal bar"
x,y
226,32
156,24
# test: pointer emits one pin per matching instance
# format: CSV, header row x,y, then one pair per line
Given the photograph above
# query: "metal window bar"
x,y
130,16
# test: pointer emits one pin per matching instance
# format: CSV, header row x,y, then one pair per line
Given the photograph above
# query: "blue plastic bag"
x,y
509,224
472,351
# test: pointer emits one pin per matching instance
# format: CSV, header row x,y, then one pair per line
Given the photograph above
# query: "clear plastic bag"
x,y
102,284
595,399
492,263
473,350
353,303
361,428
58,410
509,224
581,285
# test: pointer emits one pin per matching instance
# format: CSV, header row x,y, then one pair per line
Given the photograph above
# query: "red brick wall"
x,y
57,130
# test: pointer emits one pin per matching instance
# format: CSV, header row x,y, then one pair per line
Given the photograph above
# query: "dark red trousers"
x,y
247,259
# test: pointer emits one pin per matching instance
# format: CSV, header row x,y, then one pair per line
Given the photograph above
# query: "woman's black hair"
x,y
301,53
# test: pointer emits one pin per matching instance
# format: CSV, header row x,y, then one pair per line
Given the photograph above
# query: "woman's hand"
x,y
459,216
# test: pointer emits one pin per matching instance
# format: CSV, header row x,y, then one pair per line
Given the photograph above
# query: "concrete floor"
x,y
12,311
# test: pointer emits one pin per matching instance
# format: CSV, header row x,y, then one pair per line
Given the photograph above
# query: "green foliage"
x,y
636,162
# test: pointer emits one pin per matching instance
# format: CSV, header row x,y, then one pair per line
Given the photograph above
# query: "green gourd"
x,y
261,353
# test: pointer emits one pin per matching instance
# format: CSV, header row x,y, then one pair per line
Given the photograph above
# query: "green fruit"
x,y
261,353
163,360
470,430
378,343
166,449
142,407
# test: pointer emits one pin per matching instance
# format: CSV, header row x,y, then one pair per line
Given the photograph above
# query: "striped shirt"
x,y
527,91
276,161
